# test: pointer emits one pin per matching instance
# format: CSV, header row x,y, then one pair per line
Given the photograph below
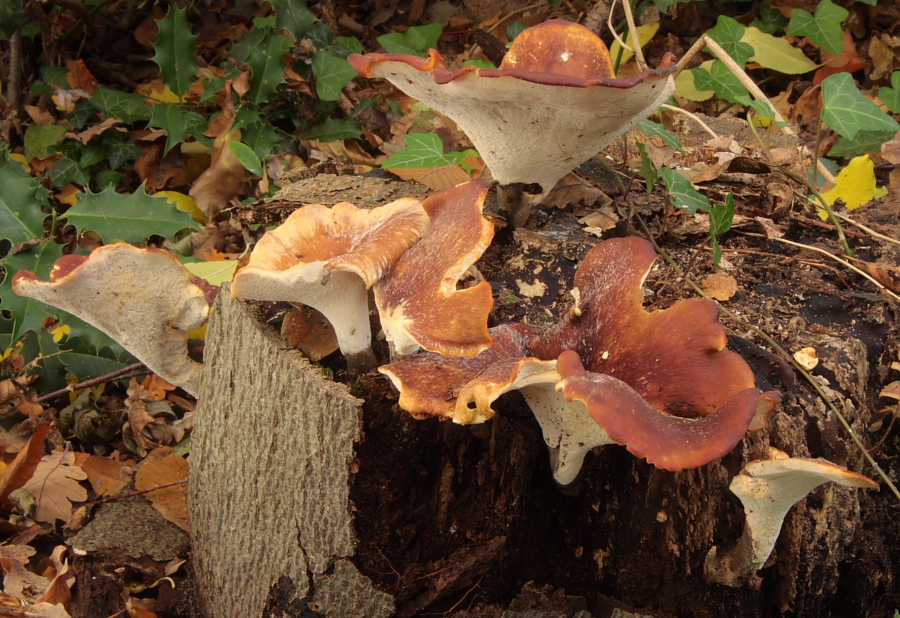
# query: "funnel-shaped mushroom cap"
x,y
675,359
768,489
418,300
143,298
327,258
552,105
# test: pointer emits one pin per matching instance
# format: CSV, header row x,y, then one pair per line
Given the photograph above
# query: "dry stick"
x,y
775,346
868,230
94,382
139,492
13,87
511,13
632,28
694,117
612,29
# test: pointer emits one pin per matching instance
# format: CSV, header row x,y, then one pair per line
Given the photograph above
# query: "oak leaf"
x,y
55,485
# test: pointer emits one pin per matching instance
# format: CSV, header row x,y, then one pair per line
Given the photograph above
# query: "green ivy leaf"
x,y
332,74
128,217
21,218
823,29
128,108
891,96
721,217
848,112
40,138
247,157
263,51
728,33
770,20
27,313
513,30
650,128
415,41
682,193
723,82
119,149
293,16
69,171
351,44
865,141
335,130
648,170
422,150
175,51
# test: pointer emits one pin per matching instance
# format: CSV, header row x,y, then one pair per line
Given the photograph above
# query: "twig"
x,y
868,230
694,117
115,375
781,351
139,492
13,86
511,13
632,29
612,29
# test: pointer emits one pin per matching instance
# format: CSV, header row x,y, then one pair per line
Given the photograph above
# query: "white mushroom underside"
x,y
528,132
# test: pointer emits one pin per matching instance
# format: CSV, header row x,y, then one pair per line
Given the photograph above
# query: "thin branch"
x,y
139,492
868,230
115,375
694,117
632,29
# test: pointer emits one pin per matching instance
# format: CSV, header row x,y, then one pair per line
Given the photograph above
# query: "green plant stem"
x,y
782,352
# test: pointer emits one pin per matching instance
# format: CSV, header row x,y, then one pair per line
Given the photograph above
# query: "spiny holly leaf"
x,y
87,361
293,16
263,51
682,193
175,51
416,41
126,107
332,74
335,130
128,217
21,218
27,314
823,29
728,33
177,123
422,150
848,112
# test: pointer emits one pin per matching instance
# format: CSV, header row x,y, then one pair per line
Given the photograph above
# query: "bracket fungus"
x,y
327,258
661,383
768,489
417,299
143,298
551,105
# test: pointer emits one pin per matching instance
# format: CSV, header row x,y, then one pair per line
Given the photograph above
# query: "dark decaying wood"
x,y
307,501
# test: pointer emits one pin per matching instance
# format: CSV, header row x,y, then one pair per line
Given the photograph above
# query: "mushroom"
x,y
768,489
552,105
327,258
418,301
143,298
683,413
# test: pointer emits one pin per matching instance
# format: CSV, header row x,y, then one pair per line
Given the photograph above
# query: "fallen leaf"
x,y
49,610
55,486
26,462
719,286
171,502
107,476
156,387
308,331
855,184
848,62
435,178
224,178
59,592
573,190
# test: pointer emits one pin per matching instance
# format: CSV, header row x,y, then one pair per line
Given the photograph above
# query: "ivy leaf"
x,y
648,170
415,41
823,29
247,157
21,218
777,54
335,130
27,314
263,51
865,141
422,150
128,108
129,218
723,82
721,217
293,16
891,96
848,112
69,171
332,74
728,33
650,128
175,51
682,193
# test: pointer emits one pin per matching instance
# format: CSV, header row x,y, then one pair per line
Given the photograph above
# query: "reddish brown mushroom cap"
x,y
431,384
668,442
675,359
418,300
552,104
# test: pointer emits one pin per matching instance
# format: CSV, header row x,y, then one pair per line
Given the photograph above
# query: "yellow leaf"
x,y
184,203
216,272
685,88
855,184
158,92
776,53
645,35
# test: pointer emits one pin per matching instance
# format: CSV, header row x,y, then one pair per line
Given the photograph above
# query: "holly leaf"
x,y
682,193
335,130
130,218
177,123
293,16
332,74
422,150
175,51
21,218
87,362
823,28
728,33
55,485
848,112
128,108
263,51
416,41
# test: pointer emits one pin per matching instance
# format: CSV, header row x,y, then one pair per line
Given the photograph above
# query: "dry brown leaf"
x,y
573,190
25,464
308,331
59,592
88,134
223,180
170,501
887,276
719,286
347,149
156,387
890,150
107,476
703,172
435,178
55,486
22,583
49,610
